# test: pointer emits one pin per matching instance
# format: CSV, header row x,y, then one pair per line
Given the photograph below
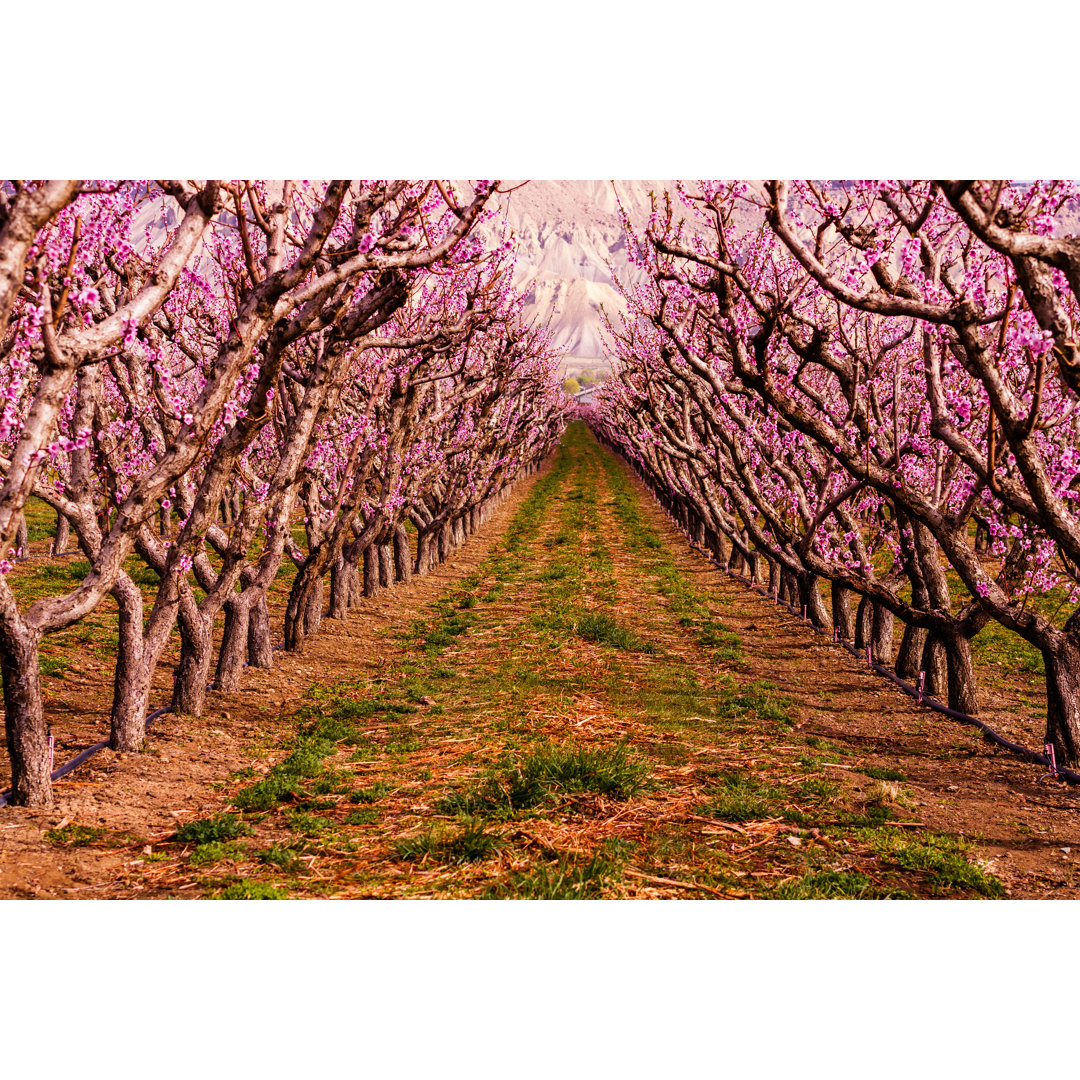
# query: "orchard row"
x,y
860,387
216,377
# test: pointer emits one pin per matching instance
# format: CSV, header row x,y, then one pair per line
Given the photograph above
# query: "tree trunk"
x,y
789,589
371,571
22,537
260,647
341,588
24,719
386,565
963,686
230,665
842,619
864,618
63,534
909,658
810,598
131,679
193,671
313,608
1063,699
935,664
881,646
402,556
423,552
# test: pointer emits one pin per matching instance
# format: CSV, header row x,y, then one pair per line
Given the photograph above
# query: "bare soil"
x,y
1023,829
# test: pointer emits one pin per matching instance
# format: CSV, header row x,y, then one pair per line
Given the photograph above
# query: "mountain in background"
x,y
569,239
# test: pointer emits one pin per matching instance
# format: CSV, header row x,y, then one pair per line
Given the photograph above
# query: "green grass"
x,y
214,852
252,890
943,859
741,796
834,885
602,629
876,773
212,829
548,775
471,845
83,836
567,879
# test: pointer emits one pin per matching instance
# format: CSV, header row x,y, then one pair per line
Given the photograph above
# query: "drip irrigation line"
x,y
84,755
1068,775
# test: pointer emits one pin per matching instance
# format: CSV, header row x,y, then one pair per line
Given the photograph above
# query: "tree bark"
x,y
386,565
371,572
810,597
260,646
62,535
402,556
881,645
963,686
313,608
24,718
193,671
1063,699
234,642
842,618
131,678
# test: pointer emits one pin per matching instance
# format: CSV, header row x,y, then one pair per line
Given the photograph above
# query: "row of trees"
x,y
218,377
860,385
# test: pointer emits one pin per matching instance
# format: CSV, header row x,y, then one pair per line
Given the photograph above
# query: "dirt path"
x,y
578,705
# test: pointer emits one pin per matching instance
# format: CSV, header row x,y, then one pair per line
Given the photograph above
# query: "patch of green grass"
x,y
741,796
212,829
366,815
83,836
834,885
370,794
283,781
281,855
473,844
548,774
53,666
566,879
214,852
876,773
943,859
307,824
604,630
252,890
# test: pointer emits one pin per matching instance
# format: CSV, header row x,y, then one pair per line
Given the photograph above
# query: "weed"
x,y
252,890
209,830
944,859
565,880
213,852
281,855
367,815
81,836
876,773
307,824
53,667
370,794
744,797
604,630
471,845
833,885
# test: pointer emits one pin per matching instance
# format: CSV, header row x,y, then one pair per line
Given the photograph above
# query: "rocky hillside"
x,y
569,239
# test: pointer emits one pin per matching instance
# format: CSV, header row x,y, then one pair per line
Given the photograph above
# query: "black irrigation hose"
x,y
1068,775
83,755
991,735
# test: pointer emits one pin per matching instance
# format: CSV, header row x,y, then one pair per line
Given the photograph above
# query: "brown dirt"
x,y
1019,821
174,779
960,784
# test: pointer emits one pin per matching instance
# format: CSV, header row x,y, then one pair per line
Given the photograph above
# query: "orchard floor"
x,y
576,705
